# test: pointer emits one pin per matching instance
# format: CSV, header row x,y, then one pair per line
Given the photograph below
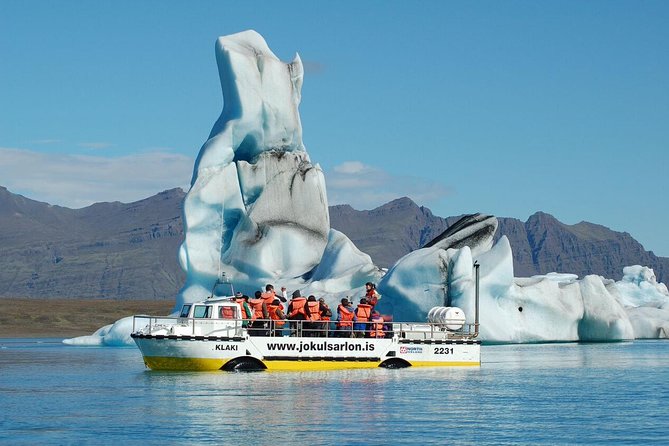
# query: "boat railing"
x,y
169,325
300,328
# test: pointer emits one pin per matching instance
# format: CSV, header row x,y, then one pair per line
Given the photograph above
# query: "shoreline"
x,y
67,318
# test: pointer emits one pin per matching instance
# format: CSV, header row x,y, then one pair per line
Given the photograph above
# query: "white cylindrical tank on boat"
x,y
452,318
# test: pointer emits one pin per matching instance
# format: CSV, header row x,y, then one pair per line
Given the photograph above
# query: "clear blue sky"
x,y
506,108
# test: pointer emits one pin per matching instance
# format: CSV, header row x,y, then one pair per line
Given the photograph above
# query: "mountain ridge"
x,y
129,250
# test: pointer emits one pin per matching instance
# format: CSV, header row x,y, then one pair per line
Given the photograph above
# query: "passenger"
x,y
345,318
326,316
314,312
227,312
277,317
260,316
362,314
269,295
371,294
247,314
376,329
297,311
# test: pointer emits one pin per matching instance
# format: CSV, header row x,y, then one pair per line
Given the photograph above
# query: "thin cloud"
x,y
95,145
366,187
44,141
80,180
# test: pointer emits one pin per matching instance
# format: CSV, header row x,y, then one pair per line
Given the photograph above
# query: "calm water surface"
x,y
614,393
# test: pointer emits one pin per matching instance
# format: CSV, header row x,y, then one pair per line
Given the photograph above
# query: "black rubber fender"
x,y
395,363
244,364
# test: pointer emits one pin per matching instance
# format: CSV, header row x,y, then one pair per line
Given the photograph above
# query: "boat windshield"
x,y
185,310
202,311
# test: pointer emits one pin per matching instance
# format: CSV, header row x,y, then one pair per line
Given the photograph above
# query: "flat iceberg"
x,y
257,213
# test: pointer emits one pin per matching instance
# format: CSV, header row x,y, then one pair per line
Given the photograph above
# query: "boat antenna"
x,y
476,317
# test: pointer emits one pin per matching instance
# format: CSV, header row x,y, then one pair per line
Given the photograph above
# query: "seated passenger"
x,y
376,328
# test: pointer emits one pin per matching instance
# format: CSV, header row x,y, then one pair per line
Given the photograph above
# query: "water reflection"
x,y
521,393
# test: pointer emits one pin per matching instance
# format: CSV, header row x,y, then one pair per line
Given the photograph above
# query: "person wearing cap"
x,y
297,311
345,319
242,301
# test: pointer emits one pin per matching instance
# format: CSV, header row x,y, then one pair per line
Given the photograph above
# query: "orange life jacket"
x,y
346,319
372,297
314,310
256,307
298,304
227,312
240,302
377,328
272,309
268,297
363,312
324,317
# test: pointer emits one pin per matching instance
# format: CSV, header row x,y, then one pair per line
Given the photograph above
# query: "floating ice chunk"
x,y
112,335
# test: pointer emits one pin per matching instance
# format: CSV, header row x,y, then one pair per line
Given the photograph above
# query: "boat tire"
x,y
395,363
244,364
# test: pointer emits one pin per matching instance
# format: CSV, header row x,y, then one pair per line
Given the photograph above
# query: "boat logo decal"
x,y
404,349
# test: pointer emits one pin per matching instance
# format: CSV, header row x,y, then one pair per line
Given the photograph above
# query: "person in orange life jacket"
x,y
269,295
371,294
363,314
326,316
242,301
313,315
277,317
259,308
297,311
376,328
345,319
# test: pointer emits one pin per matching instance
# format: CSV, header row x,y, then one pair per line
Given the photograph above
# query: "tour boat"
x,y
211,335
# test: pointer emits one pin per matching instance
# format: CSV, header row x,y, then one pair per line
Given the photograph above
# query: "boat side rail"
x,y
301,328
408,330
187,326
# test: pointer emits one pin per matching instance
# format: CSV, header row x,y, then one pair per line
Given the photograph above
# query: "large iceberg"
x,y
257,209
257,213
547,308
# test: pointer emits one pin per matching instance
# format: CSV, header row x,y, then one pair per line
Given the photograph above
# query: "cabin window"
x,y
185,310
227,312
202,311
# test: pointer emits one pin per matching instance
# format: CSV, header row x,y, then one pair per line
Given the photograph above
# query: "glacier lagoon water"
x,y
612,393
